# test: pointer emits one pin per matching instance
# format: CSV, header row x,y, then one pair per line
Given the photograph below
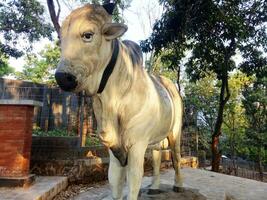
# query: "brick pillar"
x,y
16,138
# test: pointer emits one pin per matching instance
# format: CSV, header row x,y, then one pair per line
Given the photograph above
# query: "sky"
x,y
139,18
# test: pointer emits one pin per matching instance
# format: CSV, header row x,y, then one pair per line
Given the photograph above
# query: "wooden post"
x,y
85,121
197,142
81,112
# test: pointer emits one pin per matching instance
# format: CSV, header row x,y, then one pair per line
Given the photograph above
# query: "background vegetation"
x,y
195,43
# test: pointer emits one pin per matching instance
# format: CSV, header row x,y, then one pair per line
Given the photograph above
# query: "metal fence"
x,y
62,112
243,168
67,113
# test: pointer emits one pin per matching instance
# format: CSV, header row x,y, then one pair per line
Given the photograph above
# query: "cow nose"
x,y
66,81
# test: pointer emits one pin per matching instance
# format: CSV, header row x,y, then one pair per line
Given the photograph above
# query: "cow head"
x,y
86,47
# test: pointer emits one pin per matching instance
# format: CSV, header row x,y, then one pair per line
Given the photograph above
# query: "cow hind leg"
x,y
135,169
116,176
156,161
174,141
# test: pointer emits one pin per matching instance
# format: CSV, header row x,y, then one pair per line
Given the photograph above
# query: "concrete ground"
x,y
199,184
44,188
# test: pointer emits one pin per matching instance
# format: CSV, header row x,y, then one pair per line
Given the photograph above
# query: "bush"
x,y
56,132
92,141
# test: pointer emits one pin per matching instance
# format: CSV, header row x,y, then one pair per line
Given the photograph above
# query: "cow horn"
x,y
109,7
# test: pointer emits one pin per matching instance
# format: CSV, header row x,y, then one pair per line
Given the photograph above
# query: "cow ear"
x,y
113,30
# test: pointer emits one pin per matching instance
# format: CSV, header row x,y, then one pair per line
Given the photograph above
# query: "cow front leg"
x,y
135,169
156,161
116,177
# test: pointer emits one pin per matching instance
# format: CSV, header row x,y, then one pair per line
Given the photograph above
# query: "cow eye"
x,y
87,36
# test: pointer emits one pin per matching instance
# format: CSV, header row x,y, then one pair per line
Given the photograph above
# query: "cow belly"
x,y
164,123
160,130
151,124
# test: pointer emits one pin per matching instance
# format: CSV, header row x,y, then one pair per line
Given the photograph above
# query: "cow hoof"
x,y
153,191
178,189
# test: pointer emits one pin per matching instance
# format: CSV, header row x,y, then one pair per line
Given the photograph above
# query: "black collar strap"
x,y
109,69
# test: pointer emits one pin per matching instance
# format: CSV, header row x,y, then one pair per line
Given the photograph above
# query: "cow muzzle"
x,y
66,81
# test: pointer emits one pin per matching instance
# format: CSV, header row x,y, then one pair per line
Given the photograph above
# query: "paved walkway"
x,y
44,188
198,183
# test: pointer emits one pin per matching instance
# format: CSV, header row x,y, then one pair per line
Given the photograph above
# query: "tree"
x,y
39,68
235,121
162,68
147,14
54,15
255,103
5,69
200,101
214,31
21,20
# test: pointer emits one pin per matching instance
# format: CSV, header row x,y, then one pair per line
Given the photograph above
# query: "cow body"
x,y
134,109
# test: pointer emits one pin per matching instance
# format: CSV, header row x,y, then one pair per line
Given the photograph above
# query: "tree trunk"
x,y
216,155
234,152
224,97
178,78
54,16
260,166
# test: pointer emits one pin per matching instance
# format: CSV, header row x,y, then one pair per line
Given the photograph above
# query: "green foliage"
x,y
5,69
40,68
56,132
163,68
214,30
201,99
255,103
235,121
21,19
61,132
203,96
121,6
92,141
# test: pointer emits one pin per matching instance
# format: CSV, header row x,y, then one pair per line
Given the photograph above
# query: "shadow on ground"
x,y
166,192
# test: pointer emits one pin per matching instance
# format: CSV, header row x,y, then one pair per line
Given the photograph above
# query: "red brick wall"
x,y
15,139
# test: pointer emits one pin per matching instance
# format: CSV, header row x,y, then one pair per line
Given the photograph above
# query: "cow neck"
x,y
110,67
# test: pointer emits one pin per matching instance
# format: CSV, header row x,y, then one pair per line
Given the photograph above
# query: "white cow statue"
x,y
133,109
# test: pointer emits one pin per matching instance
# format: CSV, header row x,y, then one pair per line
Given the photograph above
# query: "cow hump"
x,y
135,52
